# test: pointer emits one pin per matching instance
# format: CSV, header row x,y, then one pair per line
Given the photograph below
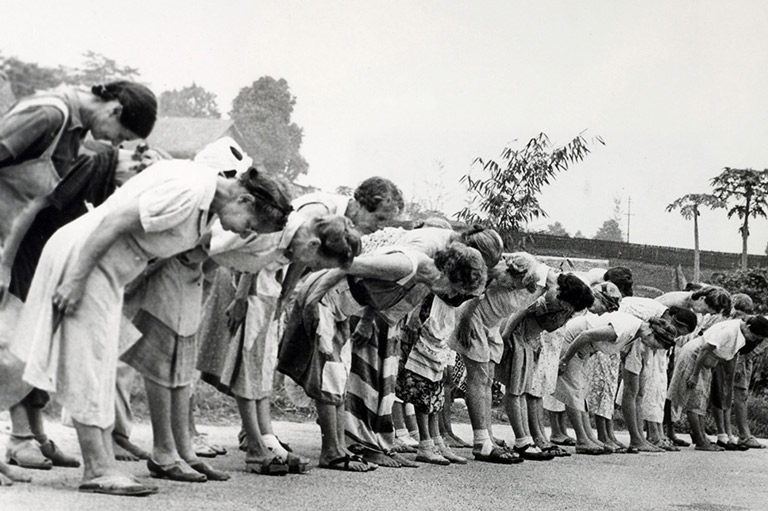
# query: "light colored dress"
x,y
727,339
78,361
572,384
650,364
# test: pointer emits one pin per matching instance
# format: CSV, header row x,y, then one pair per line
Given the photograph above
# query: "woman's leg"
x,y
410,420
697,431
22,448
180,411
427,452
577,422
97,461
332,450
536,421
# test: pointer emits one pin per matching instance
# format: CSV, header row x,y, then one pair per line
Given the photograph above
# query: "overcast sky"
x,y
677,89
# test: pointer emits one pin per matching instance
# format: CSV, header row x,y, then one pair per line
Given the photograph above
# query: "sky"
x,y
416,90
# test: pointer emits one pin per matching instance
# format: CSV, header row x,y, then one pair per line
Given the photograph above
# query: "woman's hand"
x,y
236,314
68,296
562,366
692,380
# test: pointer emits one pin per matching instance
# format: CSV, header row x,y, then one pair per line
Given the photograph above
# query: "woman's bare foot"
x,y
14,474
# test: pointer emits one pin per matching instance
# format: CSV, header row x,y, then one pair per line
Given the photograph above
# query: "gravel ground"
x,y
684,480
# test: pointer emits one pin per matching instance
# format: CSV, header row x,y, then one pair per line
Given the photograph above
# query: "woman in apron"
x,y
40,137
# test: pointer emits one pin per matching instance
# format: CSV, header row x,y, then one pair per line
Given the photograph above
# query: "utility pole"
x,y
629,215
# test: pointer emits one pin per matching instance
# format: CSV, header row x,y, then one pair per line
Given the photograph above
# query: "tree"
x,y
508,198
27,78
557,229
262,112
744,191
578,234
97,68
689,209
610,231
190,101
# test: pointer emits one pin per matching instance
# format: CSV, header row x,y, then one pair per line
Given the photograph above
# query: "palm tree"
x,y
689,209
747,191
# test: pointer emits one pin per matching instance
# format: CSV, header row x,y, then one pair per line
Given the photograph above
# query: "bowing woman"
x,y
71,348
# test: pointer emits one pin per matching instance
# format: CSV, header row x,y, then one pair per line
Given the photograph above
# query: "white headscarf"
x,y
223,155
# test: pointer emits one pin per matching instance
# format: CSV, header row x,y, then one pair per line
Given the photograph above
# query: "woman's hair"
x,y
573,291
693,286
716,298
339,239
273,200
608,294
664,331
486,241
375,190
139,104
758,325
741,302
622,277
686,318
433,221
464,266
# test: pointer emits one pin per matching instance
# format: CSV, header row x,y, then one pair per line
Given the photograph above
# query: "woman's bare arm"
x,y
600,334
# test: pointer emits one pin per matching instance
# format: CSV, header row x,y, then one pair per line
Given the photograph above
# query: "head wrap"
x,y
663,330
608,294
224,154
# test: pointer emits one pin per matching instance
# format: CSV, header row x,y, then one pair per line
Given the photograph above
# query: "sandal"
x,y
211,473
202,448
117,485
556,451
592,451
297,464
533,456
680,442
342,463
58,457
568,441
174,472
752,443
26,454
500,456
274,466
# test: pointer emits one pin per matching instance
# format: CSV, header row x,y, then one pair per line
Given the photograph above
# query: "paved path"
x,y
686,480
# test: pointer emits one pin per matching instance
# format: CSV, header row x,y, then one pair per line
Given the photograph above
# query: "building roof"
x,y
183,137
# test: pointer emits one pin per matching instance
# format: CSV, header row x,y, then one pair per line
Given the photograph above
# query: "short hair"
x,y
464,266
742,302
139,104
573,291
486,241
339,239
716,298
377,190
758,325
273,200
683,317
622,277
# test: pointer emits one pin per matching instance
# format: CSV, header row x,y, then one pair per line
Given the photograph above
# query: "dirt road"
x,y
684,480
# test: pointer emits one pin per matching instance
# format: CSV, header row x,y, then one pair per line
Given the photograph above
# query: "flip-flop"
x,y
342,463
117,485
499,456
202,448
274,466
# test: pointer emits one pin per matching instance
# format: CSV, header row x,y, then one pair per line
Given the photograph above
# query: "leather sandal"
x,y
58,457
271,466
174,472
499,456
26,454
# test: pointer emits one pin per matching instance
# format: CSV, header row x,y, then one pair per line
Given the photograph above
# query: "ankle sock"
x,y
438,440
426,445
722,437
273,444
399,433
522,442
